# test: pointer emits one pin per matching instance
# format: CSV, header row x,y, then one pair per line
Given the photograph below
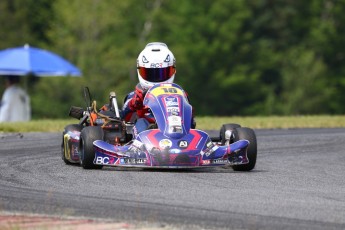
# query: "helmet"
x,y
155,64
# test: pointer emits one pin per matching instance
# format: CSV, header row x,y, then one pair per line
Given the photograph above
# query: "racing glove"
x,y
136,102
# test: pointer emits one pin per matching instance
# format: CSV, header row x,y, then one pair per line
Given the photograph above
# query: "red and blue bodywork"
x,y
173,144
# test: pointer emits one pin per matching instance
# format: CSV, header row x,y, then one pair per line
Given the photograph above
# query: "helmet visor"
x,y
156,74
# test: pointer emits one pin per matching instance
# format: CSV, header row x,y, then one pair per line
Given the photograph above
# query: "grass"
x,y
37,125
274,122
204,123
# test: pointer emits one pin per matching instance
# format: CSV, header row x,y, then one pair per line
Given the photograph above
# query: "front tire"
x,y
87,154
247,134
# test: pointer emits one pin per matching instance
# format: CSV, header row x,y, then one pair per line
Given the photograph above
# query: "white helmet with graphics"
x,y
155,64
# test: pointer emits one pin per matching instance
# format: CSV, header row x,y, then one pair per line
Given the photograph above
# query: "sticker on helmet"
x,y
144,60
167,59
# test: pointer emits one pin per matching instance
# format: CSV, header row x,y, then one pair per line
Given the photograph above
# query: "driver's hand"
x,y
136,102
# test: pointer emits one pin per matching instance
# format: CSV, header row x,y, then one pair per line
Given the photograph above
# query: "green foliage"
x,y
303,80
24,22
48,93
233,57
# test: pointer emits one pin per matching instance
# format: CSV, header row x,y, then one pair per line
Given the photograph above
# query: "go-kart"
x,y
102,138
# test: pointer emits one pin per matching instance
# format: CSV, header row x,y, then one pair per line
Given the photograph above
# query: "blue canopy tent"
x,y
28,60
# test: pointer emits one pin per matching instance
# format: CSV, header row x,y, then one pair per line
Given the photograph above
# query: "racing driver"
x,y
155,64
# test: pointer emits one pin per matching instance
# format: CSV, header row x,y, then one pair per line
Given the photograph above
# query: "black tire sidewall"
x,y
87,154
247,134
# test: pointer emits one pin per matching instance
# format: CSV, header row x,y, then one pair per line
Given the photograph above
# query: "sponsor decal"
x,y
174,114
156,65
206,162
165,143
183,144
219,161
133,161
210,148
137,144
105,160
173,110
175,129
214,148
167,59
171,101
175,124
208,153
102,160
141,161
144,60
174,151
174,121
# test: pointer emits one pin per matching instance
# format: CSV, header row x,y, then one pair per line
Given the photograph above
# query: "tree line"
x,y
240,57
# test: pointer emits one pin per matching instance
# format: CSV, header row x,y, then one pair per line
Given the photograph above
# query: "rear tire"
x,y
247,134
226,127
87,154
73,127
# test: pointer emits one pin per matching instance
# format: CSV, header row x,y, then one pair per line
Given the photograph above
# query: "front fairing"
x,y
173,152
171,109
152,148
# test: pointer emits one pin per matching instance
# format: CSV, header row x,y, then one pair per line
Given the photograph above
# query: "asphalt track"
x,y
298,183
